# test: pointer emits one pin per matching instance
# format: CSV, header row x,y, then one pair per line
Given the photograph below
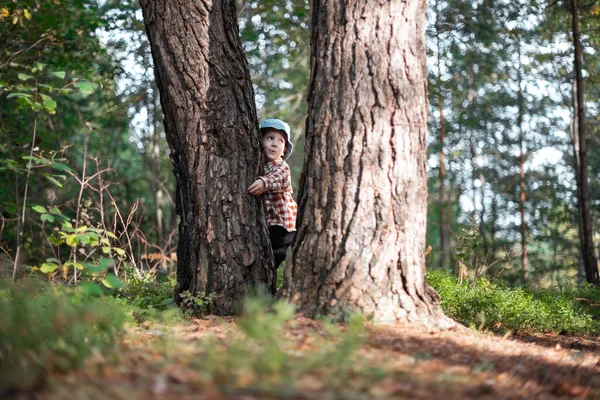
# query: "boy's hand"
x,y
257,187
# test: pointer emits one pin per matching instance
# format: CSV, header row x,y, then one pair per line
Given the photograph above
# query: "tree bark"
x,y
583,190
212,131
363,193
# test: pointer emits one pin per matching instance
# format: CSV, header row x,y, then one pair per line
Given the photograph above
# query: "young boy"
x,y
276,184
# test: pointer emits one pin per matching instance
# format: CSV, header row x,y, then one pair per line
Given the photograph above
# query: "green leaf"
x,y
18,95
110,234
24,77
119,251
48,267
49,104
84,87
40,66
39,209
51,179
53,260
61,167
67,227
84,239
79,266
82,228
71,240
92,235
35,159
47,217
91,289
37,107
101,267
106,249
59,74
55,211
105,263
112,282
166,302
56,241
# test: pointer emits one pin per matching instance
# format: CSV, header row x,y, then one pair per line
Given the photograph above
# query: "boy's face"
x,y
273,142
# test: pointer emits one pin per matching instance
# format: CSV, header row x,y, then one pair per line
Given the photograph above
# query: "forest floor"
x,y
179,362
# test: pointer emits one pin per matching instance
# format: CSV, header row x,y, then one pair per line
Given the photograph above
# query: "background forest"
x,y
82,138
87,205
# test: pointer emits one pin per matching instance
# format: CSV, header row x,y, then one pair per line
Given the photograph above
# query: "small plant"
x,y
45,329
196,304
148,291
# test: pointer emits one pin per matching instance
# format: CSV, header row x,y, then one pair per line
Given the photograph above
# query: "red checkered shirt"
x,y
280,207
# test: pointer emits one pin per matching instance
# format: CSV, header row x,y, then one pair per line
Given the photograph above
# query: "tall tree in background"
x,y
212,130
363,193
583,191
443,220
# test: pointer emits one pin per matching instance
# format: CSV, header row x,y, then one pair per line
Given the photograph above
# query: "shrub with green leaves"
x,y
486,305
45,328
147,290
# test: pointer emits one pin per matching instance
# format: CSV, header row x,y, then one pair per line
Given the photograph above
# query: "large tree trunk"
x,y
583,190
212,131
363,192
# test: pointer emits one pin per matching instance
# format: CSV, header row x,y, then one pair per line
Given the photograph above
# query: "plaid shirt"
x,y
280,207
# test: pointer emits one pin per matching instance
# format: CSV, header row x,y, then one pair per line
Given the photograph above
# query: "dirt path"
x,y
393,362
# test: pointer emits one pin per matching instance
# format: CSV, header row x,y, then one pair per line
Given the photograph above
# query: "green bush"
x,y
487,305
45,328
148,291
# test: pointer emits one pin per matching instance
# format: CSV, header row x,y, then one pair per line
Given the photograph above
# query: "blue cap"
x,y
283,127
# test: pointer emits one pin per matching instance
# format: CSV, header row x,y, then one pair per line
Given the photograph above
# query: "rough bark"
x,y
363,193
212,131
583,190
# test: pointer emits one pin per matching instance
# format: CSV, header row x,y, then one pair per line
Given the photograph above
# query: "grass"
x,y
45,328
486,305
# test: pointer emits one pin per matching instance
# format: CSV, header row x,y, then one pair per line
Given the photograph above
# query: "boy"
x,y
276,184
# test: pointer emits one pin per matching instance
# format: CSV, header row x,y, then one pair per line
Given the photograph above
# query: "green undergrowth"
x,y
46,328
493,306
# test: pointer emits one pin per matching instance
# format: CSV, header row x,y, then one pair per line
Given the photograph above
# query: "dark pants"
x,y
281,239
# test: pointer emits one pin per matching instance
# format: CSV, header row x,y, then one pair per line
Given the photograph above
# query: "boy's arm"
x,y
278,180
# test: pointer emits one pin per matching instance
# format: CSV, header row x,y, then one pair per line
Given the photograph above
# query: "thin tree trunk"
x,y
522,183
470,98
212,131
574,130
589,257
442,174
363,192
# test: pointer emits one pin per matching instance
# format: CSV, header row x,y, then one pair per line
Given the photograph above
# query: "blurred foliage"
x,y
46,329
265,358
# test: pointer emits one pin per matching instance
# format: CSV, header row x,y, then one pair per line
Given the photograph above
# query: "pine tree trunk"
x,y
442,138
363,193
522,183
212,131
583,190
